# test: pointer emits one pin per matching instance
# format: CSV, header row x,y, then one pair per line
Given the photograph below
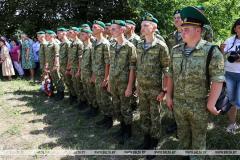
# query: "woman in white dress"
x,y
36,47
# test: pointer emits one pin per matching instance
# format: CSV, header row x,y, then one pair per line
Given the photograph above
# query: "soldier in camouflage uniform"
x,y
63,59
173,39
100,53
152,60
76,49
135,39
52,56
108,32
188,83
88,26
86,70
42,50
207,32
121,77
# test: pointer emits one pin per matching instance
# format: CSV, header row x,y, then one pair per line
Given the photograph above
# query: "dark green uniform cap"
x,y
85,25
147,18
41,32
99,23
61,29
200,7
131,22
192,16
86,31
89,23
74,28
50,32
108,24
119,22
80,29
147,14
177,11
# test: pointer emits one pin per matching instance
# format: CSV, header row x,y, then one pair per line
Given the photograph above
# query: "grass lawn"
x,y
29,120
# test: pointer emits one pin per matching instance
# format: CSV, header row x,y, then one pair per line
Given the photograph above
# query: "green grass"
x,y
29,120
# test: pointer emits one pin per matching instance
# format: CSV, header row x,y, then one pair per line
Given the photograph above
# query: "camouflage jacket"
x,y
135,39
74,52
207,33
52,51
43,47
86,62
152,62
189,73
63,53
100,56
172,40
123,60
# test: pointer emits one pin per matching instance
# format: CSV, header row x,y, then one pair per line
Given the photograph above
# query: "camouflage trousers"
x,y
89,90
121,104
103,97
56,79
67,80
77,85
42,60
134,98
192,119
150,119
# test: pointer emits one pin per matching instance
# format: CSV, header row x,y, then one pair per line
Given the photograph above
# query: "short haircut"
x,y
17,43
235,25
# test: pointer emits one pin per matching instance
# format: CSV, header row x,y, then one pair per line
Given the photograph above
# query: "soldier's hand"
x,y
128,92
213,110
161,97
170,103
92,80
78,75
67,73
54,69
104,84
222,46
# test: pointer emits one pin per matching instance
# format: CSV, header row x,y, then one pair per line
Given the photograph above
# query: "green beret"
x,y
67,29
99,23
74,28
200,7
192,16
50,32
61,29
41,32
89,23
119,22
85,25
147,18
177,11
147,14
108,24
86,31
131,22
79,29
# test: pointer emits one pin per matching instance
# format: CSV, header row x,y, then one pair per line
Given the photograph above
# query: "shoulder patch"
x,y
221,65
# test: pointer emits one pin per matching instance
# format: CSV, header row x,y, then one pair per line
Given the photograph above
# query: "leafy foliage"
x,y
31,16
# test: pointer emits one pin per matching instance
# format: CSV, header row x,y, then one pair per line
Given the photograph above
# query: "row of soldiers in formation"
x,y
108,73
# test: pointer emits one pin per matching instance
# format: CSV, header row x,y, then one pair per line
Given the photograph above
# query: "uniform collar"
x,y
200,44
100,42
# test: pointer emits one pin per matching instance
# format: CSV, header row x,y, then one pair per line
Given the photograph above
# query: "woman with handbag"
x,y
232,72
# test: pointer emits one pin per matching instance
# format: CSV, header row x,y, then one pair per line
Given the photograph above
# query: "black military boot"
x,y
127,134
121,131
78,105
103,121
153,146
93,113
72,100
146,143
109,123
60,97
134,110
89,111
84,105
171,128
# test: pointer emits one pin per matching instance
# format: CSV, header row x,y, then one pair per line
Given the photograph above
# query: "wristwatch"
x,y
78,71
105,80
164,91
55,66
68,70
